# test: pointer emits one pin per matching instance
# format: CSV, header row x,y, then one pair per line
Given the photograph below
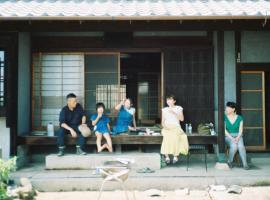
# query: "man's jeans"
x,y
61,137
233,147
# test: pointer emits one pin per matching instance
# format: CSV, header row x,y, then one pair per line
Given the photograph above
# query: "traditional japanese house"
x,y
206,52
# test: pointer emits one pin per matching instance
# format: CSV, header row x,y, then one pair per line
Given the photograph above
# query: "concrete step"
x,y
142,183
91,161
169,178
133,183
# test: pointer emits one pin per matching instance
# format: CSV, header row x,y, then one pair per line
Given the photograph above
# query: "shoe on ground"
x,y
175,160
230,165
79,151
61,151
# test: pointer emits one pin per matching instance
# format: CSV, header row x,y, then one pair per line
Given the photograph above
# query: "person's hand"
x,y
73,133
123,101
232,138
99,115
237,138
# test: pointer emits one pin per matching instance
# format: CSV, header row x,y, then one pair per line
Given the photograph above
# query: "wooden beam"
x,y
79,44
220,57
120,139
125,25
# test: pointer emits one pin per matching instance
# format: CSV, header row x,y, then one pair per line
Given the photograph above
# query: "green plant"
x,y
261,183
5,168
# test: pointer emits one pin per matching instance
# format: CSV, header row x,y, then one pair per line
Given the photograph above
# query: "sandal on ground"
x,y
145,170
167,160
175,160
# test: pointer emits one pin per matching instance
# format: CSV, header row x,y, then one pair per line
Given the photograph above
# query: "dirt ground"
x,y
248,193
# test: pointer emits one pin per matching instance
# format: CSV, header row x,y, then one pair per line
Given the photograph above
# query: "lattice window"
x,y
109,94
53,77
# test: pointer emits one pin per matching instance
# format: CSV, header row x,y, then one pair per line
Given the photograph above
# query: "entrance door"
x,y
102,81
253,109
141,73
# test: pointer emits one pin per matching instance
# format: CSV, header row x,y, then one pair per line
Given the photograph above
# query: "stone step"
x,y
141,183
133,183
169,178
91,161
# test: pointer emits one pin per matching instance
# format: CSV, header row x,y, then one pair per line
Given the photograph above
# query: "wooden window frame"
x,y
42,128
253,67
260,147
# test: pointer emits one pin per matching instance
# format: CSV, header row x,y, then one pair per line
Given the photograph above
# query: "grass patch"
x,y
261,183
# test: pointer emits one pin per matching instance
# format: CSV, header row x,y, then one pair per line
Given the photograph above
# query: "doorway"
x,y
110,77
141,74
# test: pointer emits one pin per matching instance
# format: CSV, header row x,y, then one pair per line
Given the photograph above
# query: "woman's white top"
x,y
131,110
170,118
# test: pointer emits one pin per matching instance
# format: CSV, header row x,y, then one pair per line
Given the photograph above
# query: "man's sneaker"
x,y
61,151
80,151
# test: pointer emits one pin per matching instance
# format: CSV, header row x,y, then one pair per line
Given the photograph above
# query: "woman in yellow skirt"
x,y
175,140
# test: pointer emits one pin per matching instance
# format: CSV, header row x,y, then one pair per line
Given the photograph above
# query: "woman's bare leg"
x,y
98,141
109,142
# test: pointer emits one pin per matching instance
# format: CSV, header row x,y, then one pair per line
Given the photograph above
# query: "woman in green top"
x,y
234,134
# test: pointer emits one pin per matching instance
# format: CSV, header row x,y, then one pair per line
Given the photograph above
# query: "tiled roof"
x,y
133,9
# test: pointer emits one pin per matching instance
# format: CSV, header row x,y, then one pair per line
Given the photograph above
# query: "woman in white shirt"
x,y
174,138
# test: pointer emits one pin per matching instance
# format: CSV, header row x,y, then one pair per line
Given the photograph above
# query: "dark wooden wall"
x,y
188,74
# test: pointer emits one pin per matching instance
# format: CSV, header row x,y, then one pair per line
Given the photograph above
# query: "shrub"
x,y
5,168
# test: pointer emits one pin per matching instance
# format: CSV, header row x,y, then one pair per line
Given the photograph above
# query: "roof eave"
x,y
111,18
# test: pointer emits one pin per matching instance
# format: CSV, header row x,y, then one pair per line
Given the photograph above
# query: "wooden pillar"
x,y
221,131
237,68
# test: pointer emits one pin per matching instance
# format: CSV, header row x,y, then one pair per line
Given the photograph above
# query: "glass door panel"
x,y
253,109
102,81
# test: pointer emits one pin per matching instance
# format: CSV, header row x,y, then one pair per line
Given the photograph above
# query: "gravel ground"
x,y
248,193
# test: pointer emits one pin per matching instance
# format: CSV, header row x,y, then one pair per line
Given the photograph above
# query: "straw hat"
x,y
85,130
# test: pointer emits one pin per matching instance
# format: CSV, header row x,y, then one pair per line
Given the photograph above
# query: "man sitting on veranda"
x,y
71,117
